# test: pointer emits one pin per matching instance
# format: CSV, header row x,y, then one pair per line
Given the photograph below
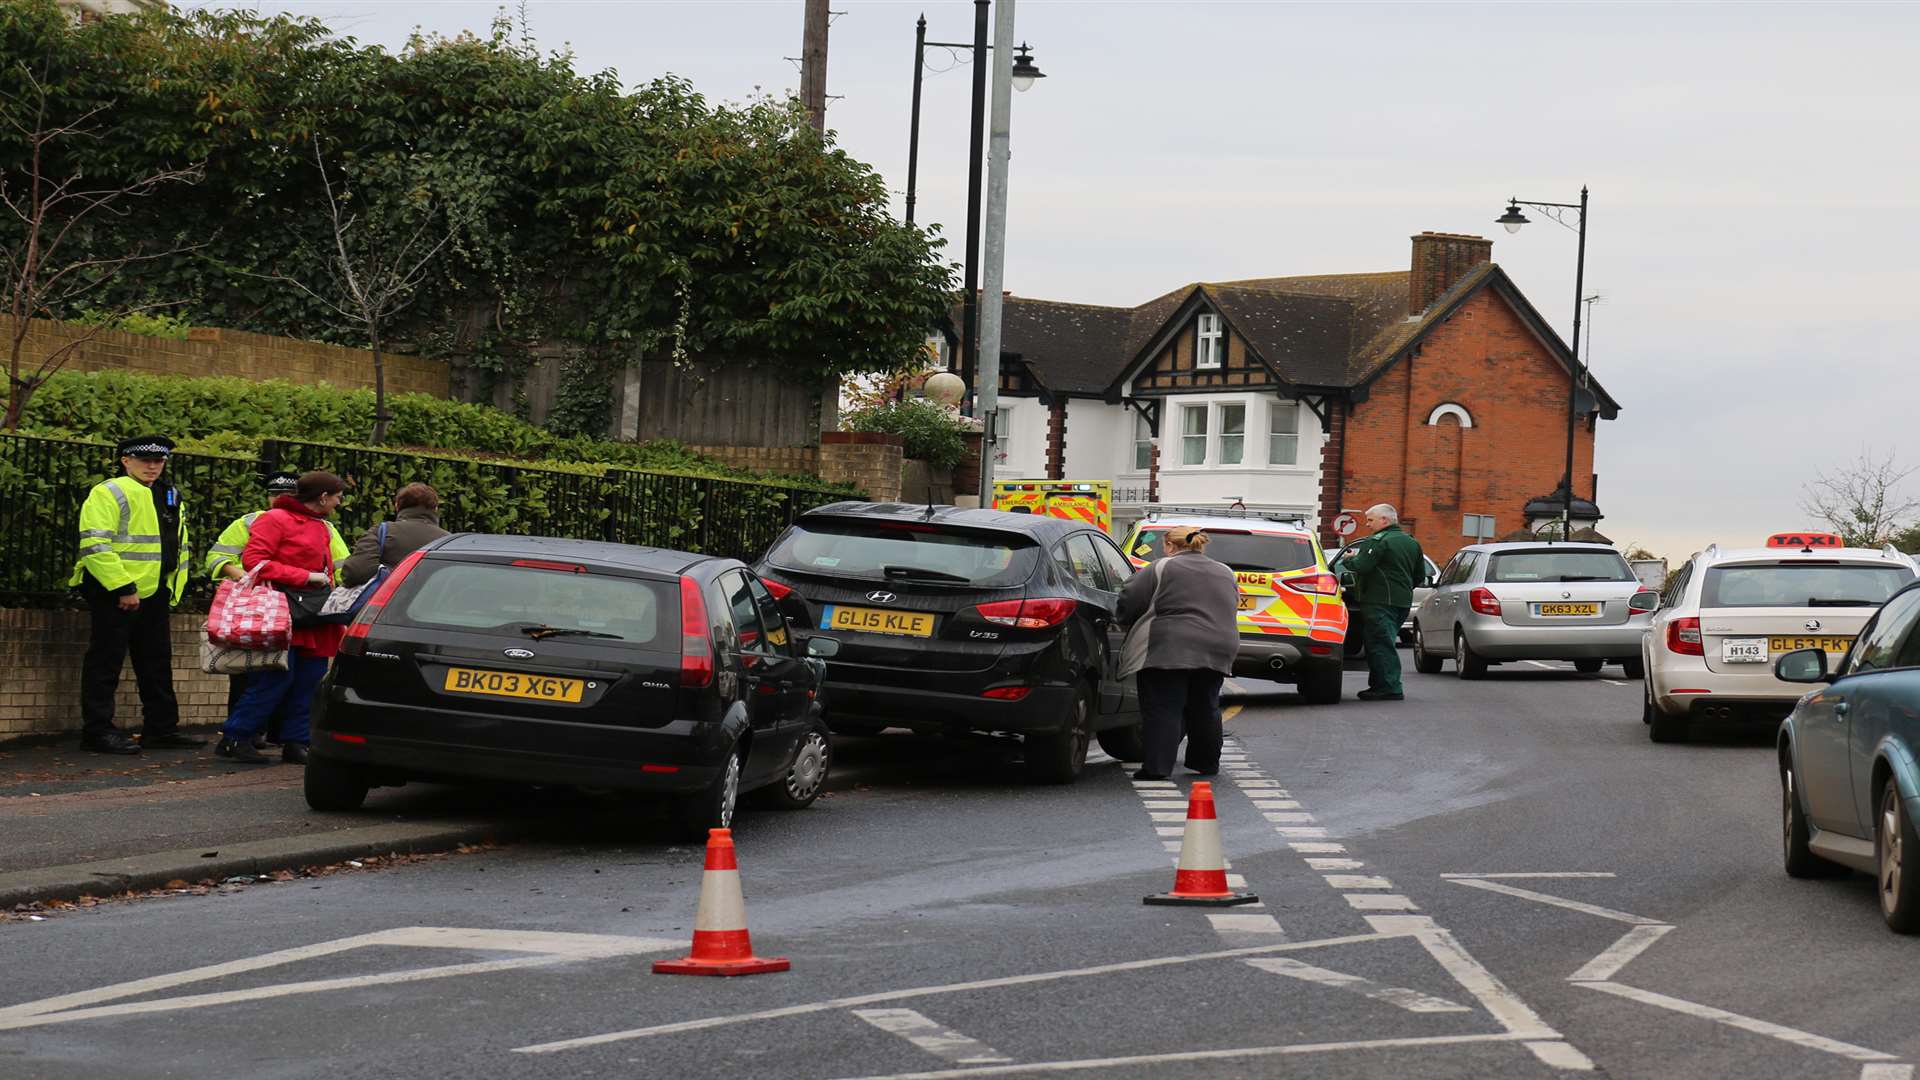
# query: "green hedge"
x,y
232,416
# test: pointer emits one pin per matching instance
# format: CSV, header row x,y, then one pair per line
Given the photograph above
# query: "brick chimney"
x,y
1439,260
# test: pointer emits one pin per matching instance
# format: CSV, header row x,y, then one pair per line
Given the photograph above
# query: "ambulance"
x,y
1089,501
1293,620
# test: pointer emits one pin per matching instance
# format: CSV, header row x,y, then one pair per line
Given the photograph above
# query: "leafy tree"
x,y
1862,500
48,266
927,429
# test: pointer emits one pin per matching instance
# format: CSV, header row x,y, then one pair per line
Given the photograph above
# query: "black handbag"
x,y
305,605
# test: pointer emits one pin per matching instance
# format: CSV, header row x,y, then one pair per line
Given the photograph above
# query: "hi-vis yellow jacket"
x,y
120,540
233,540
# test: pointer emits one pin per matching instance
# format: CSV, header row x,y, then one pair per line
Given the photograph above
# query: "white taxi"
x,y
1727,614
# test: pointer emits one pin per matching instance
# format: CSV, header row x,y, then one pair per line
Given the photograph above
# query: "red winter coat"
x,y
290,543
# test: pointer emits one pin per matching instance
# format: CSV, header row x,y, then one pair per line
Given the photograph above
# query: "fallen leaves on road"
x,y
39,910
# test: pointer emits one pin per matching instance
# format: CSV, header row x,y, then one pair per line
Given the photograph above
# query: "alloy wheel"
x,y
729,792
1786,810
1890,849
809,767
1082,728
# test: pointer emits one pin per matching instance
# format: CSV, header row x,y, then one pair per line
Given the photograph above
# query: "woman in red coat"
x,y
291,547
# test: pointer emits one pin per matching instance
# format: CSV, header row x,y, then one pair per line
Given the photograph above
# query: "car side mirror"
x,y
824,648
1802,666
1348,580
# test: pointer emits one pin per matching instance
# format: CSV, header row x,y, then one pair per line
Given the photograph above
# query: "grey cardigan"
x,y
1187,621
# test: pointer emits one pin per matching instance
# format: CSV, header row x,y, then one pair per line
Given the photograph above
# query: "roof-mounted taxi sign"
x,y
1805,540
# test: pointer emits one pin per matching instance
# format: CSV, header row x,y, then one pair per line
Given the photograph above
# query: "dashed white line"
x,y
1537,874
1886,1072
1289,817
1356,881
1379,902
1317,847
1334,864
931,1037
1245,924
1560,1055
1410,1000
1295,832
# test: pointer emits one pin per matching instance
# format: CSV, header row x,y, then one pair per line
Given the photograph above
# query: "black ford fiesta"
x,y
953,619
567,662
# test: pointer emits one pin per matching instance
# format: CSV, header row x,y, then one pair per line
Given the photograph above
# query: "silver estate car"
x,y
1533,600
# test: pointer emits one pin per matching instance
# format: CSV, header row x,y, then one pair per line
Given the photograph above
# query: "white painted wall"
x,y
1022,455
1097,441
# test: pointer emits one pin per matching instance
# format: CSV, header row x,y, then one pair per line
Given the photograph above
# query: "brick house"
x,y
1439,389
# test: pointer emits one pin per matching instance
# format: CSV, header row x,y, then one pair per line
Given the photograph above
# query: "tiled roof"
x,y
1318,330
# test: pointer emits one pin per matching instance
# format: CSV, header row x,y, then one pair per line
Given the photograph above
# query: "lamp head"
x,y
1024,71
1513,218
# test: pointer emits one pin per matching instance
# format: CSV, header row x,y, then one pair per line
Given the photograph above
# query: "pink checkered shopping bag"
x,y
248,615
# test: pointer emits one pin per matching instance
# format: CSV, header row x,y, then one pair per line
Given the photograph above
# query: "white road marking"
x,y
1608,964
1886,1072
1273,804
1168,815
1236,881
1170,830
1543,664
1245,924
1558,901
1744,1023
1197,1055
1613,682
931,1037
1560,1055
1355,881
1506,1007
1260,783
544,947
1544,874
944,988
1143,785
1164,804
1379,902
1312,847
1299,832
1334,864
1410,1000
1289,817
1170,845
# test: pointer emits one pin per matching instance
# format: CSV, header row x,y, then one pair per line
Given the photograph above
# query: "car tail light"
x,y
1036,614
362,624
1683,637
696,652
1007,693
779,591
1484,602
1643,602
1317,584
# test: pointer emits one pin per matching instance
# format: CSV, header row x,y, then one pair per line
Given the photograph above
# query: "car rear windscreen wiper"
x,y
1815,601
1250,568
1588,577
924,575
542,632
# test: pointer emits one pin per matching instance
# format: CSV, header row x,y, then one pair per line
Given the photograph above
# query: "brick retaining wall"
x,y
40,652
211,351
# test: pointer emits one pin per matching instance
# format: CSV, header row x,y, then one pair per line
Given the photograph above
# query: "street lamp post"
x,y
1023,75
1513,219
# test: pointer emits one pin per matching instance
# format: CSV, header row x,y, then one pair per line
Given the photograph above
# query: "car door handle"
x,y
1840,710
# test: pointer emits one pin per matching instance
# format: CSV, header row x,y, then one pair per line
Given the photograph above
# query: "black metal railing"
x,y
44,481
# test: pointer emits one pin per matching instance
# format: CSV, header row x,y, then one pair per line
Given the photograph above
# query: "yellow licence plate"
x,y
1250,603
877,621
511,684
1569,609
1788,644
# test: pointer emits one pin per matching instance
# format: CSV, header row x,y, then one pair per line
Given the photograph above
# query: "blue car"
x,y
1849,781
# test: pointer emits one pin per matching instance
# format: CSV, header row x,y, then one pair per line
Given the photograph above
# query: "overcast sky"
x,y
1754,226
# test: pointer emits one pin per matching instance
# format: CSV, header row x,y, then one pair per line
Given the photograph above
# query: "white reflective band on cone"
x,y
722,907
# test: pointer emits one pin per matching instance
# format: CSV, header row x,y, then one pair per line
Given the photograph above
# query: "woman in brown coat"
x,y
415,524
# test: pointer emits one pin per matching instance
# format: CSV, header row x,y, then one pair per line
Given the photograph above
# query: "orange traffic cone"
x,y
720,943
1201,875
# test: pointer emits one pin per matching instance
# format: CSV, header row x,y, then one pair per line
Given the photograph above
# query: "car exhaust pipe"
x,y
1278,663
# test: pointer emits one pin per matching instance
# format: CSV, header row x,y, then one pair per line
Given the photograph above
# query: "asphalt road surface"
x,y
1502,878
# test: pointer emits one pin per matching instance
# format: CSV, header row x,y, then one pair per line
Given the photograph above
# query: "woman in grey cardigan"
x,y
1182,635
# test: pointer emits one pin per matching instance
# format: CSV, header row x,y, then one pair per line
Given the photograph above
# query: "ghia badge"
x,y
882,596
519,654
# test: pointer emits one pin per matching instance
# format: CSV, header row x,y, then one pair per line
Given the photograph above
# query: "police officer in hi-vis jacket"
x,y
131,570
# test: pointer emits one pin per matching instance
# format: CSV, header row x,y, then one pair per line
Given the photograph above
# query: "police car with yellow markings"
x,y
1726,615
1293,621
